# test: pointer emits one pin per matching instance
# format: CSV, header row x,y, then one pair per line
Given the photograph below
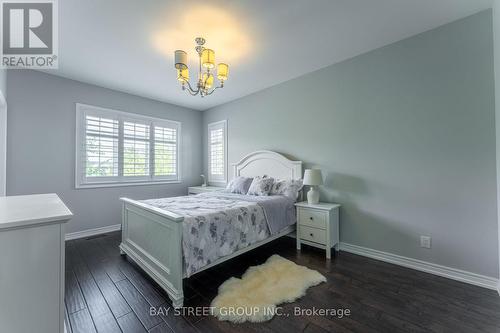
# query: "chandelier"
x,y
205,83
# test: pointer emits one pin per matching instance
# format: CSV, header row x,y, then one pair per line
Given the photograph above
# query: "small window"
x,y
115,148
217,152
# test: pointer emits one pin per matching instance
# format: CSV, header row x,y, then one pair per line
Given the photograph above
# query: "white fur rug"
x,y
254,297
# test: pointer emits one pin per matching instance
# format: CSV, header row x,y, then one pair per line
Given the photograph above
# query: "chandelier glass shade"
x,y
206,70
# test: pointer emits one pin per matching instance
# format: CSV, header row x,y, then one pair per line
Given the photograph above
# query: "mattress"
x,y
218,224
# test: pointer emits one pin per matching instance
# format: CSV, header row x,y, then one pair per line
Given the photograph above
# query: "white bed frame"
x,y
152,237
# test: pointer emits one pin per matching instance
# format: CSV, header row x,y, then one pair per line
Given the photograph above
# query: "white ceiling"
x,y
128,45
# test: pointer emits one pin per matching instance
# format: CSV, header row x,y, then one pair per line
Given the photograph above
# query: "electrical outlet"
x,y
425,241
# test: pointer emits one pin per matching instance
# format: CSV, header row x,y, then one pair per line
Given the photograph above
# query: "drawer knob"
x,y
311,234
311,218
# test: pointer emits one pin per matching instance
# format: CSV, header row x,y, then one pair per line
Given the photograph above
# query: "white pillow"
x,y
261,186
239,185
287,187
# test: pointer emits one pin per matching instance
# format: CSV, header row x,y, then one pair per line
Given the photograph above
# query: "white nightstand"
x,y
318,225
202,189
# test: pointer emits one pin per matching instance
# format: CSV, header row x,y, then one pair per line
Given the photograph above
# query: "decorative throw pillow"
x,y
287,187
261,186
239,185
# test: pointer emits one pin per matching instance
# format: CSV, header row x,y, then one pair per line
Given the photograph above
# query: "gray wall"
x,y
405,136
41,144
496,43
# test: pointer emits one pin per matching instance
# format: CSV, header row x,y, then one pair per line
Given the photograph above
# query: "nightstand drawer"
x,y
312,218
312,234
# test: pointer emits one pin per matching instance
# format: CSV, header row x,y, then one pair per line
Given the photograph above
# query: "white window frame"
x,y
81,181
212,179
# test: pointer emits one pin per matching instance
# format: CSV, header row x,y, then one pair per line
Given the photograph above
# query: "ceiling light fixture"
x,y
205,83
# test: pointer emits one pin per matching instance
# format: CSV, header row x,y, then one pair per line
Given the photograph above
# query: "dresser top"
x,y
321,205
207,188
29,210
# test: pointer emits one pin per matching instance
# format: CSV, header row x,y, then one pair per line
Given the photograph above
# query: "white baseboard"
x,y
424,266
93,232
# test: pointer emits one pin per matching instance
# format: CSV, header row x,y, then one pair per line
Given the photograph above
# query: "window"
x,y
217,152
115,148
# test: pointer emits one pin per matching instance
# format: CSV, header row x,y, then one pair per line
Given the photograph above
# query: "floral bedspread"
x,y
214,226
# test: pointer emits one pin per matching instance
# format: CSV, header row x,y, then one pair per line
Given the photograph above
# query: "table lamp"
x,y
313,178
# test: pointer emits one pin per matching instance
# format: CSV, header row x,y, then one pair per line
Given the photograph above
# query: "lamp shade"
x,y
208,80
313,177
222,71
183,75
208,58
180,59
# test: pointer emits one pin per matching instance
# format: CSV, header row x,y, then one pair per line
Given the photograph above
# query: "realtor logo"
x,y
29,34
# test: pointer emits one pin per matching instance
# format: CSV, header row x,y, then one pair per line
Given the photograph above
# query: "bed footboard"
x,y
153,239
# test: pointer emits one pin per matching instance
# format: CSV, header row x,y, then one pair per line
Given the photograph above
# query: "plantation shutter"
x,y
165,151
136,149
217,152
101,147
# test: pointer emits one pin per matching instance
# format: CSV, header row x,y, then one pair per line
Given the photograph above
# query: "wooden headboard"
x,y
265,162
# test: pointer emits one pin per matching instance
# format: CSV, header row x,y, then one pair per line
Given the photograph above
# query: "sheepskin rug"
x,y
255,296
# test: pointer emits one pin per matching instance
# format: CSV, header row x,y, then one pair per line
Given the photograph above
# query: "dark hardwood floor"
x,y
105,292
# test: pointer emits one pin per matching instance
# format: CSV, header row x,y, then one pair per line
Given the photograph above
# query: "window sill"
x,y
138,183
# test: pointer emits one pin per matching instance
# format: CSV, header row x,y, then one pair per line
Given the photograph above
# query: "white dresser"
x,y
32,263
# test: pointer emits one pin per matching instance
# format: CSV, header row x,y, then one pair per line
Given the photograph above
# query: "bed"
x,y
153,230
